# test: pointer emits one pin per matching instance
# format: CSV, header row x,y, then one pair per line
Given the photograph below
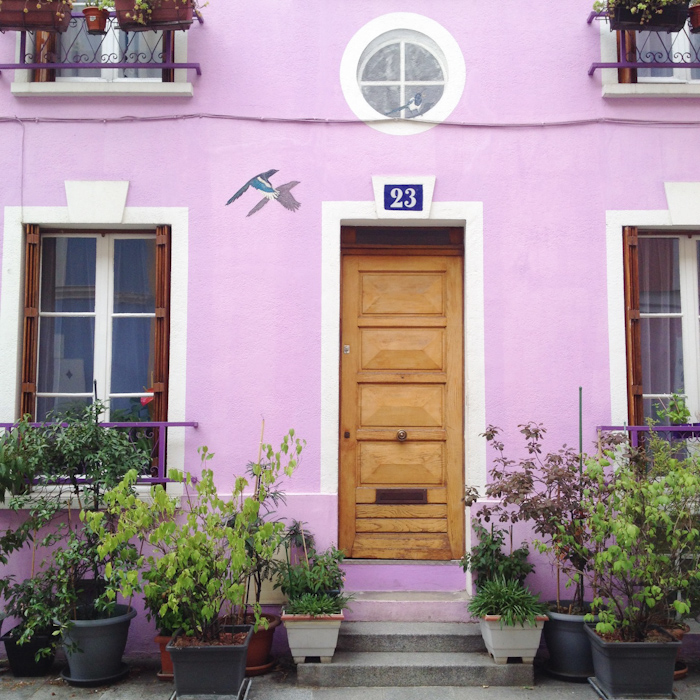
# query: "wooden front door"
x,y
401,425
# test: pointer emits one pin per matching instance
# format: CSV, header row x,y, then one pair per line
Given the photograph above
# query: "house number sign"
x,y
403,197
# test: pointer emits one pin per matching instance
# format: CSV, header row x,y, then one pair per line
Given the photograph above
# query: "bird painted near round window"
x,y
261,184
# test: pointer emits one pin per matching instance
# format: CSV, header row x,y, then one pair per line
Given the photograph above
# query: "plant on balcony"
x,y
647,545
694,13
96,16
35,15
645,15
144,15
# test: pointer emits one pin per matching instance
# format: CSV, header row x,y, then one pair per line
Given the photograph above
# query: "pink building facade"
x,y
483,180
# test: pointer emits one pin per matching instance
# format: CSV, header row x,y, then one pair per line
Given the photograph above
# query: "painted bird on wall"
x,y
281,194
413,104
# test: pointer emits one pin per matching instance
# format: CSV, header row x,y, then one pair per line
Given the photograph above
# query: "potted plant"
x,y
96,16
645,563
694,12
313,584
144,15
80,459
197,558
545,490
645,15
32,15
675,413
511,619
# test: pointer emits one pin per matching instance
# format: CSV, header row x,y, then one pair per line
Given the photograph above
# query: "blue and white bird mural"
x,y
414,105
262,184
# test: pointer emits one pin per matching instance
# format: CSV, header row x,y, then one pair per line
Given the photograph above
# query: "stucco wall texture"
x,y
528,139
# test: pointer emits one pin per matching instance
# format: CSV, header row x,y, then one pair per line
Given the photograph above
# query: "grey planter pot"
x,y
100,646
570,656
210,670
633,669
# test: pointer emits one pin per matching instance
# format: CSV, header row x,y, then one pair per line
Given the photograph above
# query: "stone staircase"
x,y
402,654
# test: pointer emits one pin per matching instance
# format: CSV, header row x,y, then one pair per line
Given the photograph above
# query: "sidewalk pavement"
x,y
142,684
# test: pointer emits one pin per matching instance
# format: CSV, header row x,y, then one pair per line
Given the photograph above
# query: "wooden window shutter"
x,y
30,330
44,52
633,331
162,330
627,75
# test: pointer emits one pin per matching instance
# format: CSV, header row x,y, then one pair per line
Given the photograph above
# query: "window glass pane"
x,y
75,45
655,47
659,278
68,274
384,99
694,55
60,405
122,409
421,64
132,354
652,408
144,47
384,64
429,96
134,275
662,356
66,355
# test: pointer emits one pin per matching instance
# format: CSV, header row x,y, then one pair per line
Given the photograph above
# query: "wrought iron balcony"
x,y
654,51
666,432
77,53
148,436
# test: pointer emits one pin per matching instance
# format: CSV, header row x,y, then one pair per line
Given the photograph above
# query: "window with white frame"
x,y
97,312
667,344
664,47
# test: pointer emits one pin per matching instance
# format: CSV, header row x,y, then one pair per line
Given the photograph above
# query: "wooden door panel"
x,y
402,370
402,294
412,349
401,406
418,545
408,463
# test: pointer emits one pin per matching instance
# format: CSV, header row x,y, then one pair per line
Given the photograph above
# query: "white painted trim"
x,y
467,214
11,299
88,89
455,78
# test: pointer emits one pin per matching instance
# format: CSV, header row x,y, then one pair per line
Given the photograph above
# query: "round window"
x,y
402,73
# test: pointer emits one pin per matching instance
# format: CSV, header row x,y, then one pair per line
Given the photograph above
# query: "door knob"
x,y
401,435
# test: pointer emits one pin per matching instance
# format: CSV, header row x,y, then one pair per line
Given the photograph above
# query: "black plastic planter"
x,y
569,647
633,669
210,670
672,18
22,656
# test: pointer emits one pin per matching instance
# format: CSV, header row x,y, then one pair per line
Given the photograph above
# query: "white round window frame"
x,y
454,80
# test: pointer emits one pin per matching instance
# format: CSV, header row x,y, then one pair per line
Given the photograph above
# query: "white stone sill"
x,y
68,89
651,90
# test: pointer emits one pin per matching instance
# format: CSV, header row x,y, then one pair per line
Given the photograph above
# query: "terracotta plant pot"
x,y
695,19
166,661
96,20
49,17
258,660
165,14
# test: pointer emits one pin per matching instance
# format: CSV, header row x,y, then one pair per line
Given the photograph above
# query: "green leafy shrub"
x,y
508,598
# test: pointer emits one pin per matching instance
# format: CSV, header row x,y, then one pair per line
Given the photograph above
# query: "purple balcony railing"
x,y
655,50
75,52
680,432
151,437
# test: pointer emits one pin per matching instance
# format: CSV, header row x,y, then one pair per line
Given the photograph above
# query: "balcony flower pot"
x,y
312,635
94,648
694,19
569,647
31,16
211,669
96,20
633,669
22,656
161,15
511,641
669,18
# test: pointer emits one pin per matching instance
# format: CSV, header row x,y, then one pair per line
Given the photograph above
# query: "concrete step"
x,y
410,637
409,606
402,669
